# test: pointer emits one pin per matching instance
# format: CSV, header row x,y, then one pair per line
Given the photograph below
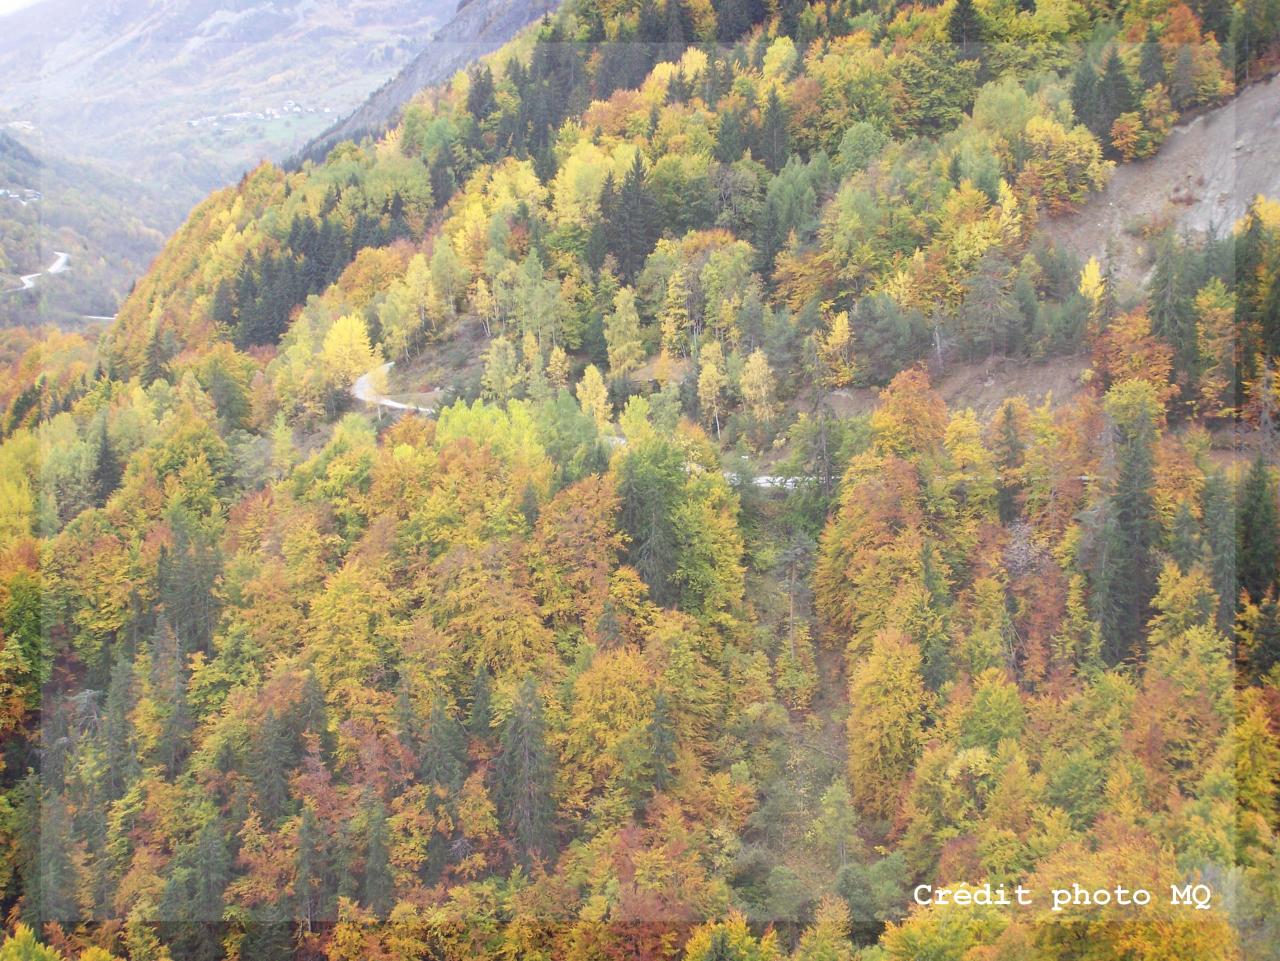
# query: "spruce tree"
x,y
211,871
478,719
1151,66
1218,509
1084,94
775,141
1125,573
106,465
1184,539
523,775
379,886
480,96
965,29
444,754
1258,531
310,888
662,742
1114,97
269,765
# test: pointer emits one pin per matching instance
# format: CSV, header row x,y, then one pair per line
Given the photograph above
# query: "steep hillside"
x,y
628,642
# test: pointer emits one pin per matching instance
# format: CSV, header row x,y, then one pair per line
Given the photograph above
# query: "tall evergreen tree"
x,y
1125,572
379,885
480,96
1218,509
775,140
1084,93
964,27
1258,531
310,887
444,754
1114,97
662,742
478,719
269,766
523,776
1151,65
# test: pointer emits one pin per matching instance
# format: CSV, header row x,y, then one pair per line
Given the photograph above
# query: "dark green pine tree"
x,y
775,141
662,742
523,778
480,97
1184,539
731,139
1010,454
651,478
444,754
481,714
269,765
1264,650
55,872
408,723
443,182
1084,94
211,871
1151,66
223,306
119,746
379,886
311,889
965,29
1217,505
268,935
1126,568
1172,316
153,361
633,227
1115,96
1258,531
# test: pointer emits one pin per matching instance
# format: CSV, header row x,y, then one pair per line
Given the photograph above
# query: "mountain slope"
x,y
477,28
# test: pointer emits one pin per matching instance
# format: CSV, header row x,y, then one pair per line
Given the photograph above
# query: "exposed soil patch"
x,y
985,385
1203,178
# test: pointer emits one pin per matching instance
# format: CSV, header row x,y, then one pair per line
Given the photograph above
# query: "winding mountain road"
x,y
29,280
364,391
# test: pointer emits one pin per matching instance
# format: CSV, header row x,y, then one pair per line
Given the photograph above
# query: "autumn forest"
x,y
674,610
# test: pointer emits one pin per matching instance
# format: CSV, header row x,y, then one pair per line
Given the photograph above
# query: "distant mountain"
x,y
479,27
187,94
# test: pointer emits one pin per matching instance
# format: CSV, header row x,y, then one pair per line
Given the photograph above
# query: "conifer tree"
x,y
379,886
106,465
310,886
444,754
523,775
1258,531
964,27
269,765
1218,509
1151,66
662,742
481,713
775,140
1126,568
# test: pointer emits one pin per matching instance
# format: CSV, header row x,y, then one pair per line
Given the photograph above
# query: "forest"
x,y
641,645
